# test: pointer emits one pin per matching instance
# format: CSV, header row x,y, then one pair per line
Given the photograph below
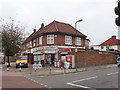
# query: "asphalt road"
x,y
97,79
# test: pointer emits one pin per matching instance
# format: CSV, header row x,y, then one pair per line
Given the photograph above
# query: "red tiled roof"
x,y
58,27
111,41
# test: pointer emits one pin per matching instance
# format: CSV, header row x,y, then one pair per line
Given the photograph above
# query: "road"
x,y
103,78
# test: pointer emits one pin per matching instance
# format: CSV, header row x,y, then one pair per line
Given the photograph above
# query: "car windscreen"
x,y
21,58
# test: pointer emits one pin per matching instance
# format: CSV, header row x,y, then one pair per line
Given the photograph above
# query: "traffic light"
x,y
117,12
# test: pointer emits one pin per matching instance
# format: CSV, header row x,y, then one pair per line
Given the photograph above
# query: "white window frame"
x,y
30,44
34,42
40,40
68,40
50,39
78,41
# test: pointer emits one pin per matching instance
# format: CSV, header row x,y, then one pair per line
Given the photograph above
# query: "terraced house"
x,y
52,42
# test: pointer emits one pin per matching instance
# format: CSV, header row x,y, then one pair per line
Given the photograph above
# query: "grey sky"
x,y
98,15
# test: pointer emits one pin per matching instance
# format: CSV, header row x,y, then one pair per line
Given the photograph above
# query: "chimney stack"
x,y
114,36
42,25
34,30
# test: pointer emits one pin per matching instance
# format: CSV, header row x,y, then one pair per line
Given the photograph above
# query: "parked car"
x,y
118,61
21,61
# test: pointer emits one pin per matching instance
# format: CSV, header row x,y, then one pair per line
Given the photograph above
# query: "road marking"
x,y
81,86
112,73
83,79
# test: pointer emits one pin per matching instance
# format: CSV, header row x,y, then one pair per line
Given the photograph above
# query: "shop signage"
x,y
42,51
49,51
65,50
40,48
64,53
39,45
69,59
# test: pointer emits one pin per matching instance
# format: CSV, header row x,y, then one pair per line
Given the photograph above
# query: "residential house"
x,y
49,43
111,44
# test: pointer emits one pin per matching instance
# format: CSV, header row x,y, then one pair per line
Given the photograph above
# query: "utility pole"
x,y
76,61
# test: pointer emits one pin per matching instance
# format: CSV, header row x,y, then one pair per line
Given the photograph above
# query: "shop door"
x,y
52,58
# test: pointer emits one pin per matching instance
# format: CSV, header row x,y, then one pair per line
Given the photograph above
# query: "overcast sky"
x,y
98,15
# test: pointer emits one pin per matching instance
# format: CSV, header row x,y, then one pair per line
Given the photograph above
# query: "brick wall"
x,y
93,58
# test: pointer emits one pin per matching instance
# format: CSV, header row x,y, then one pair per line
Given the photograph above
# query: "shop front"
x,y
51,55
45,55
39,56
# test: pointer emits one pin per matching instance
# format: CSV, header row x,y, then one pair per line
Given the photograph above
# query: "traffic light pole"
x,y
119,32
118,36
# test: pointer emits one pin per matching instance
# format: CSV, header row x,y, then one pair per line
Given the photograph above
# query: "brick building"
x,y
49,43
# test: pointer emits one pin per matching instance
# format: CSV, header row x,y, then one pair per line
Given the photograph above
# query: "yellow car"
x,y
22,61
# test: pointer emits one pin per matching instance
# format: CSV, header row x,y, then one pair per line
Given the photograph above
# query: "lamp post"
x,y
76,42
77,22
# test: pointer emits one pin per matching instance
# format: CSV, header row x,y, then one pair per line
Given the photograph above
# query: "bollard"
x,y
20,69
50,70
7,69
35,70
30,71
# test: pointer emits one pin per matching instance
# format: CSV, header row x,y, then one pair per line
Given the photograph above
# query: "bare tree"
x,y
12,38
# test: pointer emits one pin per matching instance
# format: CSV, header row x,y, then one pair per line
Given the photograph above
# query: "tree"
x,y
12,38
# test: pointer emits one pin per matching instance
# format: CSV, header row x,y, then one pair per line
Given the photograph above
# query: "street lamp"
x,y
76,23
76,41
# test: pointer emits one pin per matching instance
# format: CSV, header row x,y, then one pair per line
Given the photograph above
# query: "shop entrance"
x,y
52,58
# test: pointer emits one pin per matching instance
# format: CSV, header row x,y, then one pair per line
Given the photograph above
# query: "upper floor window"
x,y
40,40
50,39
37,41
78,41
68,40
34,42
30,44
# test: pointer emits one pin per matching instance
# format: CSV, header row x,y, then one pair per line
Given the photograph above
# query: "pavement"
x,y
16,78
46,71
